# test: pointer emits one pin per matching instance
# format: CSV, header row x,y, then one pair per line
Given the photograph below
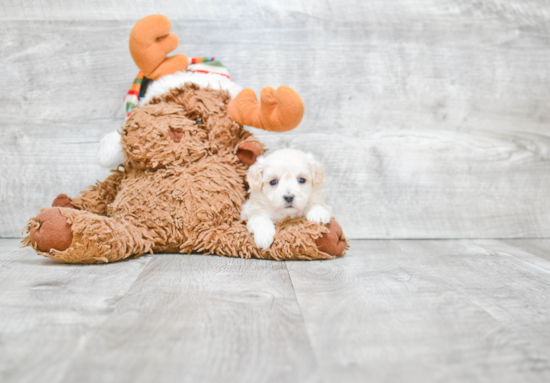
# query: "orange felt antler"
x,y
150,42
280,110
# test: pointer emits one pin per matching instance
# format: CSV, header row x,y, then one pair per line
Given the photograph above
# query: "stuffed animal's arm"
x,y
96,198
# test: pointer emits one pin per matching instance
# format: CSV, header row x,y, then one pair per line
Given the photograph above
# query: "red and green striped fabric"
x,y
207,65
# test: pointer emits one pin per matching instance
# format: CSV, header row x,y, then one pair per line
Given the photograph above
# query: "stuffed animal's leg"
x,y
96,198
301,239
295,239
75,236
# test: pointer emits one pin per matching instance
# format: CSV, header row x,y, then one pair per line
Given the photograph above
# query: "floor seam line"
x,y
303,319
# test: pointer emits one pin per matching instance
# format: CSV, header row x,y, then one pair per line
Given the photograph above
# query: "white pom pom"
x,y
110,153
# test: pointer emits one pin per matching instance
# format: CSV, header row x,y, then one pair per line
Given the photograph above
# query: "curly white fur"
x,y
287,183
110,153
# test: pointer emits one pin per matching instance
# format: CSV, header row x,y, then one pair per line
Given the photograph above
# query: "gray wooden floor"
x,y
392,310
432,121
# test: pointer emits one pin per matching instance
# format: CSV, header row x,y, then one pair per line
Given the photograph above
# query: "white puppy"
x,y
286,183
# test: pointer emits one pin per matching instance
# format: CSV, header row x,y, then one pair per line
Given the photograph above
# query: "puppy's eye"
x,y
302,180
273,182
198,121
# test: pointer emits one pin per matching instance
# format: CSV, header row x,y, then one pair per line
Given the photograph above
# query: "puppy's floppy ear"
x,y
255,174
317,170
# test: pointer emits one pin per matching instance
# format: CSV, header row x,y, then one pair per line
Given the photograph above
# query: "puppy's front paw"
x,y
263,236
318,214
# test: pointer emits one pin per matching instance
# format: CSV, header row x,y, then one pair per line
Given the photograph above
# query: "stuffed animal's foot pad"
x,y
51,231
62,200
334,242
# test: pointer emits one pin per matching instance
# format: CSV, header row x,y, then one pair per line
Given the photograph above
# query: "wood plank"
x,y
537,247
202,319
464,73
49,310
344,10
394,184
428,184
448,311
523,252
39,165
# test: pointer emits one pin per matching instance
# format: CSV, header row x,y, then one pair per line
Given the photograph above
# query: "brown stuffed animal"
x,y
183,183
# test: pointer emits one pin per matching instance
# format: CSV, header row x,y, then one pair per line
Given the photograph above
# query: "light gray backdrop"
x,y
431,116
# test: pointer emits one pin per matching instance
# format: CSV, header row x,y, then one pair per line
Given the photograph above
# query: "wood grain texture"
x,y
538,247
533,11
423,311
387,185
391,310
37,165
434,113
192,318
358,78
48,310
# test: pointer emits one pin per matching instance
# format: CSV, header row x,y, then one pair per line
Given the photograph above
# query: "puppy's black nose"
x,y
289,198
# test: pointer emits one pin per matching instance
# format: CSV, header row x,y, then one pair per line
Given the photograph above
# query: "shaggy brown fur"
x,y
181,190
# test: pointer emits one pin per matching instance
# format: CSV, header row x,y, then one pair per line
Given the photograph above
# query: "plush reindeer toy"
x,y
182,183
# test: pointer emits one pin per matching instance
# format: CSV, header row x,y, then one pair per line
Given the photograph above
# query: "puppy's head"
x,y
287,178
